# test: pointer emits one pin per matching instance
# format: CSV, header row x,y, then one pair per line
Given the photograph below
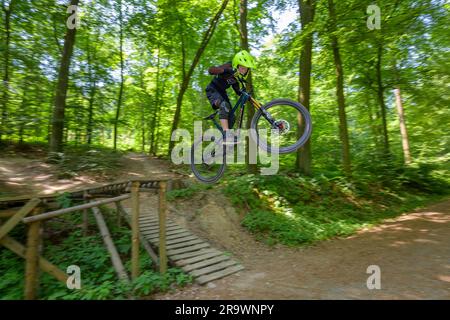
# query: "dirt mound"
x,y
211,216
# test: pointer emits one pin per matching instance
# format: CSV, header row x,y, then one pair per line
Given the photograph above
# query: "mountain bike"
x,y
281,126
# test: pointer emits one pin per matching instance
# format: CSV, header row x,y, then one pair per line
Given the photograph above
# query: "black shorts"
x,y
215,97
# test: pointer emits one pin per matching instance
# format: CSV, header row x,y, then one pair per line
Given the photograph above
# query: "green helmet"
x,y
243,58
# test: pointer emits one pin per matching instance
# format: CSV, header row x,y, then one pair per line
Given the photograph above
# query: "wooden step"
x,y
220,274
215,267
202,257
205,263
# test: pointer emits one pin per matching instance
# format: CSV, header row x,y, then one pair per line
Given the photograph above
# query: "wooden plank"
x,y
15,219
169,228
114,255
143,241
205,263
162,227
192,254
169,233
178,240
199,258
32,258
217,275
175,241
8,213
148,218
155,224
134,230
149,226
184,244
215,267
188,249
154,238
92,204
44,264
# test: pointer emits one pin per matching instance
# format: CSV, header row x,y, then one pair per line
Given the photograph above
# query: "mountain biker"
x,y
225,76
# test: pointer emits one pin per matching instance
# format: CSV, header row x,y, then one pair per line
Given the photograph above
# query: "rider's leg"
x,y
224,111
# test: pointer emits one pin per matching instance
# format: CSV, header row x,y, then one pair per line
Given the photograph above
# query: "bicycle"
x,y
277,122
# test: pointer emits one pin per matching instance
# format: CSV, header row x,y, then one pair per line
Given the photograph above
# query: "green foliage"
x,y
295,210
64,200
187,192
75,160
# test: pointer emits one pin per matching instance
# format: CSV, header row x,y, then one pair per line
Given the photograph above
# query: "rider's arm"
x,y
225,68
237,88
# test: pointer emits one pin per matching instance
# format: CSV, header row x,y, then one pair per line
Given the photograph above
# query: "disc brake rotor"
x,y
282,125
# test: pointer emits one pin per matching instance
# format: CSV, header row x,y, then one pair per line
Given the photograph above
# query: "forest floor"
x,y
412,250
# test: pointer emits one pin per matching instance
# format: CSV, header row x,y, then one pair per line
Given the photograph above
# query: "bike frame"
x,y
243,98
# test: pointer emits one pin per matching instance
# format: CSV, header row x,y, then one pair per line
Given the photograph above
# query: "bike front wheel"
x,y
208,160
290,129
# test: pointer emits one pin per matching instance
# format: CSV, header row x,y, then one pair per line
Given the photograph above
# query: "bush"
x,y
294,210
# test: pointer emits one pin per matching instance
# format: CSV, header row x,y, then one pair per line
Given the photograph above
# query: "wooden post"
x,y
119,215
162,227
85,216
113,253
135,230
44,264
142,240
32,258
17,217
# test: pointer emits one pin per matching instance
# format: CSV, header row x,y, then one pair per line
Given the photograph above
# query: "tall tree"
x,y
343,131
186,76
243,35
402,123
91,57
307,10
157,100
120,97
7,10
56,139
380,95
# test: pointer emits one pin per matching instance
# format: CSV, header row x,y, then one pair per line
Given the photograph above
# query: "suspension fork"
x,y
264,113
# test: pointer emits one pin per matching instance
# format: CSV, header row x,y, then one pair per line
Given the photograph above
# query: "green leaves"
x,y
297,210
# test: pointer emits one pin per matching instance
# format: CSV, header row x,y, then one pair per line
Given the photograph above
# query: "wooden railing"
x,y
33,214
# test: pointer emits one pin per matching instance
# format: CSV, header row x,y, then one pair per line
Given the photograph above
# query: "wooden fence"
x,y
34,210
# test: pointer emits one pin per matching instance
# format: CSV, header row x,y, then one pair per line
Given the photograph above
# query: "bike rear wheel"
x,y
286,133
208,160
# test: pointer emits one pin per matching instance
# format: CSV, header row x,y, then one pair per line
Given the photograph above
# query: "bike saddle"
x,y
211,116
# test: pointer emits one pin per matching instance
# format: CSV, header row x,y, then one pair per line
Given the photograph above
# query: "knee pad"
x,y
224,109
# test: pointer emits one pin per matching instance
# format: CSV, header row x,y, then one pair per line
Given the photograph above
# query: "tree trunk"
x,y
6,76
119,100
61,90
143,112
92,91
403,131
243,33
307,9
372,124
380,95
157,99
187,77
343,131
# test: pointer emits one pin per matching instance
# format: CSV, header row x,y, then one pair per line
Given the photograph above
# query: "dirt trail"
x,y
20,175
412,251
